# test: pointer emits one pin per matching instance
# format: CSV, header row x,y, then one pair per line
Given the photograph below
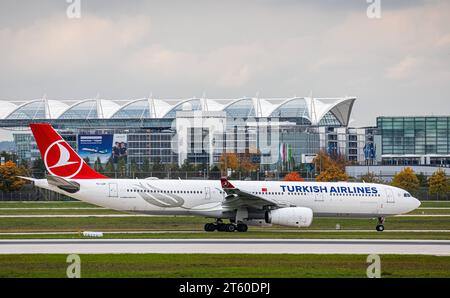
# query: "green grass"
x,y
181,223
435,204
223,265
186,223
431,211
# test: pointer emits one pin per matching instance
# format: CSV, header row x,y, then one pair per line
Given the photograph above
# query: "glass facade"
x,y
82,110
138,109
189,105
256,128
293,110
242,109
32,110
329,120
415,140
154,145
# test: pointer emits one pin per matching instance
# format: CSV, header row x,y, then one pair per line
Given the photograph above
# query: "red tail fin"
x,y
226,184
59,158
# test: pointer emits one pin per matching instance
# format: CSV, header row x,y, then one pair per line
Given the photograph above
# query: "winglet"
x,y
226,184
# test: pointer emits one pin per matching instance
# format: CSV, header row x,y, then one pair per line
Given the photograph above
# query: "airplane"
x,y
92,150
242,203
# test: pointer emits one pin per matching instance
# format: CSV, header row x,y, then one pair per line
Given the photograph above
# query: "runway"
x,y
227,246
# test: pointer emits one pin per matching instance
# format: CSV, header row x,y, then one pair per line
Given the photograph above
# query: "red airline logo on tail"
x,y
225,183
60,162
59,158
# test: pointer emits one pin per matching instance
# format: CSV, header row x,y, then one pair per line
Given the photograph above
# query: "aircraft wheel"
x,y
242,227
380,228
210,227
221,227
230,227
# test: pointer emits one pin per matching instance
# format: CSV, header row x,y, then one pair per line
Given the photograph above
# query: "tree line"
x,y
329,169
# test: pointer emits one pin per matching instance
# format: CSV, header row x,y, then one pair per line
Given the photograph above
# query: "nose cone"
x,y
414,204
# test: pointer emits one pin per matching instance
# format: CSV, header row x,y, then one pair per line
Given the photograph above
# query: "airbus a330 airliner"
x,y
243,203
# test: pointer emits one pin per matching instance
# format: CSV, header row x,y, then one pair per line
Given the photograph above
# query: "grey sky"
x,y
396,65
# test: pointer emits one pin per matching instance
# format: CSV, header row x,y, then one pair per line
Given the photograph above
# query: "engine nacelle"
x,y
297,217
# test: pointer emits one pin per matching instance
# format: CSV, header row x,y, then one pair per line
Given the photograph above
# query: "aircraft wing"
x,y
240,198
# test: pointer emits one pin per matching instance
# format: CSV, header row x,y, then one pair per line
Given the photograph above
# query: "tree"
x,y
245,164
9,156
323,161
341,161
371,178
145,166
122,168
423,181
24,163
293,176
173,168
214,172
8,177
439,183
157,168
407,180
332,174
228,161
98,165
38,169
134,168
110,170
87,160
187,166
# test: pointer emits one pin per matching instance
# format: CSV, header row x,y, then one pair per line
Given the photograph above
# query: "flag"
x,y
264,189
289,153
281,151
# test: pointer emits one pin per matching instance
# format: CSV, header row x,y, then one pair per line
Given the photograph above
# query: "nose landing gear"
x,y
380,226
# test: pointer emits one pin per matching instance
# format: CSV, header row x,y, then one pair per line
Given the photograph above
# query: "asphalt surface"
x,y
227,246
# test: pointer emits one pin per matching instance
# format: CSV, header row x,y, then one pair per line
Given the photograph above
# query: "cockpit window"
x,y
407,195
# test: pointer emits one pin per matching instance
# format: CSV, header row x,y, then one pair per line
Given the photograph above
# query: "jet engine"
x,y
297,217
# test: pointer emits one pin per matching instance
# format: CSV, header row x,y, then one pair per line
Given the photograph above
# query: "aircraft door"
x,y
207,193
113,190
389,196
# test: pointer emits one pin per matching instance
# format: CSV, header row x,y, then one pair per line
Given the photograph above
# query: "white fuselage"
x,y
205,197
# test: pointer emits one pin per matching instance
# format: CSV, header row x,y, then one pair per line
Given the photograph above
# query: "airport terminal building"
x,y
275,132
415,140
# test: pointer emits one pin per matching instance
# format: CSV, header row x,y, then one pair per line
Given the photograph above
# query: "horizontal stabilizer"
x,y
61,183
27,178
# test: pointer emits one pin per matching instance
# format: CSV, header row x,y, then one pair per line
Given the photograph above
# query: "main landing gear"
x,y
222,227
380,226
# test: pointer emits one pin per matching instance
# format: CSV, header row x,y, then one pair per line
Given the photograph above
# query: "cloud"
x,y
62,45
231,50
404,69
